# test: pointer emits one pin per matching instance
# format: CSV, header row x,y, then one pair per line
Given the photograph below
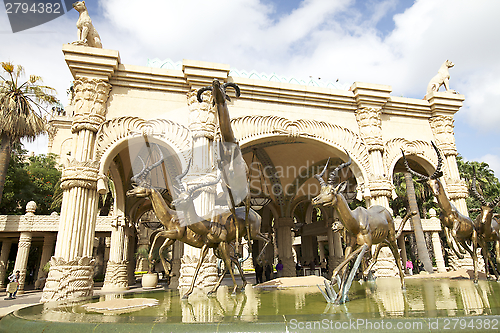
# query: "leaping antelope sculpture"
x,y
487,226
461,226
231,160
366,226
201,233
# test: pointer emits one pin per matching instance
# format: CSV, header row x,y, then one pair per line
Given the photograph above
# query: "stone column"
x,y
4,257
442,128
284,241
116,277
438,252
202,125
48,246
23,251
368,116
71,270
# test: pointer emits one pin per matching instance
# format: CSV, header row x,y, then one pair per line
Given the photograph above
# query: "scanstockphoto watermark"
x,y
469,324
26,14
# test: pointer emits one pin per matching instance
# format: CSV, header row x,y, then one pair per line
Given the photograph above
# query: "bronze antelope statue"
x,y
461,226
487,226
366,227
201,233
231,161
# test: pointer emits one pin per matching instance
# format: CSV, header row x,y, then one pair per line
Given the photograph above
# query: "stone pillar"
x,y
116,277
23,251
442,128
4,257
202,125
48,247
438,252
370,99
284,241
71,270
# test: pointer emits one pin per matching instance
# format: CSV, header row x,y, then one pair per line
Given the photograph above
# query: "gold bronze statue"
x,y
487,226
461,226
230,160
365,226
198,232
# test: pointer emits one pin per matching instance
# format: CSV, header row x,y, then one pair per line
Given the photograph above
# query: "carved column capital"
x,y
201,115
442,128
380,186
370,127
456,189
80,174
90,97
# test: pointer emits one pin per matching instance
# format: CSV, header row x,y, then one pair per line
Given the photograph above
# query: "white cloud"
x,y
494,163
322,38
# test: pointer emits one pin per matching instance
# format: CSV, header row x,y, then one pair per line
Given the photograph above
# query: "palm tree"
x,y
21,107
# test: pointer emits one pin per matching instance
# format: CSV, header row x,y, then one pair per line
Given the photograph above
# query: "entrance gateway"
x,y
287,129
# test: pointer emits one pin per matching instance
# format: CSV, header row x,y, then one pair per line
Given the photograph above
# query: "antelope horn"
x,y
234,86
177,183
319,176
145,170
474,189
138,175
495,202
201,91
209,183
335,172
414,173
438,173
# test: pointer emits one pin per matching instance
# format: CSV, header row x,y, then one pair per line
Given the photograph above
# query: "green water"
x,y
429,298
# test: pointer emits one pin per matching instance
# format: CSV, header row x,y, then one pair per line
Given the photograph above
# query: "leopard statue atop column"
x,y
87,34
441,78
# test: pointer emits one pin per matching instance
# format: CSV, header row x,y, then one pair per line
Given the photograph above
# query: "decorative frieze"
x,y
442,128
91,96
80,174
380,186
456,189
69,279
370,127
201,115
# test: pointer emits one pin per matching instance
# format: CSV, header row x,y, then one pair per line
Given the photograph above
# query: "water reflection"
x,y
380,299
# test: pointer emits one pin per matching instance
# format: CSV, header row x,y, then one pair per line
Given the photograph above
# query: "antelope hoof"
x,y
185,297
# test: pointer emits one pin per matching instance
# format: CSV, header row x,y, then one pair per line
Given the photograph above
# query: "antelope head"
x,y
328,193
486,207
218,91
141,188
433,180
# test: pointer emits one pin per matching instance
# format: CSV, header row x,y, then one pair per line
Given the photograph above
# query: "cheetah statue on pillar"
x,y
441,78
87,35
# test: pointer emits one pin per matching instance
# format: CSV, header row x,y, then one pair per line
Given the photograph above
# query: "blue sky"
x,y
399,43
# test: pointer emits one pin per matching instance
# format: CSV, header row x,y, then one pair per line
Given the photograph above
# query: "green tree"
x,y
486,181
27,179
21,106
